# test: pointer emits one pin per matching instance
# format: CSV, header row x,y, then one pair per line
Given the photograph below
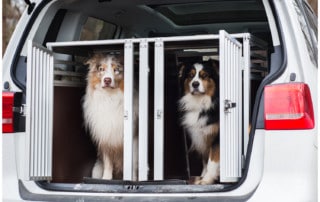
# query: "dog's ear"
x,y
215,65
121,58
181,67
93,60
89,61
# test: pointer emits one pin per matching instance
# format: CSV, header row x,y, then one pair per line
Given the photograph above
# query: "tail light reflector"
x,y
7,112
288,107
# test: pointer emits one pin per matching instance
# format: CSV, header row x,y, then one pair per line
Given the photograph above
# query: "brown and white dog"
x,y
200,115
103,108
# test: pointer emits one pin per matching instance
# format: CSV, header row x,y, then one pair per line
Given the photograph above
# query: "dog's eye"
x,y
204,75
99,68
118,70
191,75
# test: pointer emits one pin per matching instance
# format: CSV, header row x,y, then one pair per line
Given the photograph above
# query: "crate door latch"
x,y
228,105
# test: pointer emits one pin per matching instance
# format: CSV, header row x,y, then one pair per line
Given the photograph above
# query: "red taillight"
x,y
7,112
288,107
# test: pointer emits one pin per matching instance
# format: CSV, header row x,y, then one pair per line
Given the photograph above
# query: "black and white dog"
x,y
200,115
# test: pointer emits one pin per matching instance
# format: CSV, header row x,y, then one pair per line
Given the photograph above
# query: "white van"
x,y
268,134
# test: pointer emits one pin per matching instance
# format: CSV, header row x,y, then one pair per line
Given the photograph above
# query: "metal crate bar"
x,y
39,113
159,110
128,112
143,109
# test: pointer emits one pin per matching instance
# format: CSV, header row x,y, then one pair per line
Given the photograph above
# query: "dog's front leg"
x,y
107,168
203,173
213,167
204,168
212,173
97,170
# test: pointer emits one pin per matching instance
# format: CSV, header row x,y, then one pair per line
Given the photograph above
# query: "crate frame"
x,y
159,49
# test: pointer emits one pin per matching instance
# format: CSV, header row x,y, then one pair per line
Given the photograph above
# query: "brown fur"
x,y
208,83
215,153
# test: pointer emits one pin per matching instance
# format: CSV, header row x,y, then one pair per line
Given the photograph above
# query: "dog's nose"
x,y
107,80
195,84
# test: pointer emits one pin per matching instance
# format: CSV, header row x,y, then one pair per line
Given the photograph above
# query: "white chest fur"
x,y
103,113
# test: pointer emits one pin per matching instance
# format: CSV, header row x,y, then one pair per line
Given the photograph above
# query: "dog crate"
x,y
56,83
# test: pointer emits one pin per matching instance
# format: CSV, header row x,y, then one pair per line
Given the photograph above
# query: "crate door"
x,y
230,107
39,116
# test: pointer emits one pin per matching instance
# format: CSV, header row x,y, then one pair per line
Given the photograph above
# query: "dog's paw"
x,y
201,181
97,170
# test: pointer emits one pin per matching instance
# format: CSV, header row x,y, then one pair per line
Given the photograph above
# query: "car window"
x,y
308,24
213,12
95,29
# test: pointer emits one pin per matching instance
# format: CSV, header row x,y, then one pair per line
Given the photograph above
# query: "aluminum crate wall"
x,y
39,120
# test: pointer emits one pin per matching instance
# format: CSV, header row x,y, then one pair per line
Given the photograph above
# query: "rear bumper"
x,y
288,162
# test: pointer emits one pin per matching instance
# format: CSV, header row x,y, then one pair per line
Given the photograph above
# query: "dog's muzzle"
x,y
107,82
195,88
195,84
